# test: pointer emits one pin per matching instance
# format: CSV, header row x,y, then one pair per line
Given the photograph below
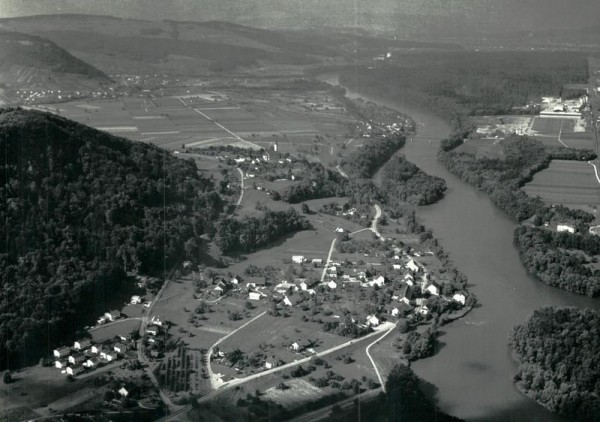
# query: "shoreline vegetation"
x,y
557,351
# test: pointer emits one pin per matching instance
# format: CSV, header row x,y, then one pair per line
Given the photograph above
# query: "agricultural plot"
x,y
570,183
183,371
565,132
297,391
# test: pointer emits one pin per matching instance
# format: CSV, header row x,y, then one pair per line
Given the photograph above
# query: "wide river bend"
x,y
473,368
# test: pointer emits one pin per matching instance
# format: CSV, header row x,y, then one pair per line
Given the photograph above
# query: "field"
x,y
314,124
570,183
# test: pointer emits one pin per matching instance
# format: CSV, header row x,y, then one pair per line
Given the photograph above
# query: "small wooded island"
x,y
557,350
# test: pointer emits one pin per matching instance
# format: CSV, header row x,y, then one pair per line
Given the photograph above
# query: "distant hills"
x,y
192,48
33,62
80,207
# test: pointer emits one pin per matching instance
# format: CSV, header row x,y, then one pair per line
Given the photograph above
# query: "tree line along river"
x,y
472,370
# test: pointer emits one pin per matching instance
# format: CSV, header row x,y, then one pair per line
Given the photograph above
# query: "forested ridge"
x,y
557,350
80,207
550,256
368,158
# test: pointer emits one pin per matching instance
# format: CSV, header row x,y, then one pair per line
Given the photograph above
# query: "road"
x,y
381,382
142,356
340,171
239,381
213,379
373,227
328,258
595,170
239,201
560,133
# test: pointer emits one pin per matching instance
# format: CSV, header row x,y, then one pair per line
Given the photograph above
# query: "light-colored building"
x,y
82,344
565,228
298,259
460,297
254,296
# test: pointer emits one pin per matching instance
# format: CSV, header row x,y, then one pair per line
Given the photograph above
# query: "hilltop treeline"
x,y
461,84
81,207
557,350
252,233
404,181
557,259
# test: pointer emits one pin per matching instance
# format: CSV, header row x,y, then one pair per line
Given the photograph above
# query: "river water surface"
x,y
473,369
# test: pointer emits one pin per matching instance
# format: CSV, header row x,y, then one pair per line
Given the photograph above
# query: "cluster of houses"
x,y
85,356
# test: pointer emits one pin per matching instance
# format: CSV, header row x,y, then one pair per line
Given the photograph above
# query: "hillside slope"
x,y
34,63
81,207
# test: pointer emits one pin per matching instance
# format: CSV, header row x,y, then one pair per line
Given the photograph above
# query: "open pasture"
x,y
570,183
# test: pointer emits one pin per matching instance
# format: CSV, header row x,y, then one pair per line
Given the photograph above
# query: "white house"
x,y
460,297
396,266
372,320
295,346
112,315
412,265
423,310
317,261
378,281
311,292
298,259
303,286
96,349
339,230
235,281
287,301
332,284
254,296
62,352
123,392
110,357
60,364
565,228
433,289
91,363
152,330
82,344
271,362
136,300
75,370
119,348
409,279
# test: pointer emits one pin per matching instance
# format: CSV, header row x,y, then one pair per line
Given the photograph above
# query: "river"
x,y
472,369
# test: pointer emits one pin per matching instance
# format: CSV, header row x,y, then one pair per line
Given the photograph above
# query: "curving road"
x,y
381,382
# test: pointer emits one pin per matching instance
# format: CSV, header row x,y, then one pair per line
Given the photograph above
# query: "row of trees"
x,y
252,233
557,350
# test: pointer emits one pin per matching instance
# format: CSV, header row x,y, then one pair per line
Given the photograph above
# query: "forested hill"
x,y
79,207
558,352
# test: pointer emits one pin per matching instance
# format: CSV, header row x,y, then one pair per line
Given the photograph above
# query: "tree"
x,y
305,209
7,377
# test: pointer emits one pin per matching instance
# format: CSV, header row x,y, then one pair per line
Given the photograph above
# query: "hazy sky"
x,y
404,16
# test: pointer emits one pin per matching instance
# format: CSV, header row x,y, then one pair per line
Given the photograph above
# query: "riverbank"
x,y
472,370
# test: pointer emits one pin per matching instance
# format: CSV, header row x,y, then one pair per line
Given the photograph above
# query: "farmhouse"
x,y
396,266
286,301
75,369
432,288
153,330
332,284
82,344
113,315
91,363
399,309
565,228
255,296
378,281
271,362
119,348
317,261
460,297
372,320
404,294
298,259
136,300
254,282
412,265
77,359
62,352
60,364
